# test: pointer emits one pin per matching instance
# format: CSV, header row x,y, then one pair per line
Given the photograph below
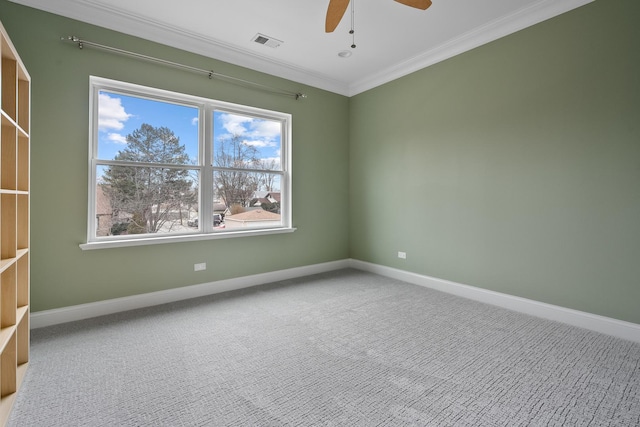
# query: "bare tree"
x,y
267,180
234,182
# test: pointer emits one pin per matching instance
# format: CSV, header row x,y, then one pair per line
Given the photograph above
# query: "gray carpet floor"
x,y
345,348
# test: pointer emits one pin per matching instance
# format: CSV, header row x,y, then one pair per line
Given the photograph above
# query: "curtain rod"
x,y
210,73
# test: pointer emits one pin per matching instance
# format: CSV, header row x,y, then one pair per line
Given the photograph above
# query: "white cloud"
x,y
111,113
234,124
266,129
194,121
117,138
260,143
255,129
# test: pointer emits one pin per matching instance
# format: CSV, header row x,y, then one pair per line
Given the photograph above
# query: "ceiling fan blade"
x,y
335,12
418,4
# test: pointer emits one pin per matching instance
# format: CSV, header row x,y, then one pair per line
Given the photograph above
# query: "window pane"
x,y
142,200
143,130
250,199
241,141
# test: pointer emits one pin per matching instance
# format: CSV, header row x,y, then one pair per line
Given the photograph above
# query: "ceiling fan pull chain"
x,y
353,20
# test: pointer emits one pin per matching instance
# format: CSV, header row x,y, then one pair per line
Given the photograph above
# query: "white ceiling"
x,y
392,39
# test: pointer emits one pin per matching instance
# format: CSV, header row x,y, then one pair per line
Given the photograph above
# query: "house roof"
x,y
260,201
219,207
254,215
260,194
275,196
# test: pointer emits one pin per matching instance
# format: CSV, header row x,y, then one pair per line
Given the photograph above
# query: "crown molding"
x,y
97,14
114,19
531,15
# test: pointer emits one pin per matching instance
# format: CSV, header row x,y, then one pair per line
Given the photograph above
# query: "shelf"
x,y
8,121
8,366
7,402
8,226
5,336
24,95
22,283
22,335
22,221
22,163
8,155
7,262
9,82
15,85
8,301
15,95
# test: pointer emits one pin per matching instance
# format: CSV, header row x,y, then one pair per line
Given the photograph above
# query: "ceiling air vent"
x,y
266,40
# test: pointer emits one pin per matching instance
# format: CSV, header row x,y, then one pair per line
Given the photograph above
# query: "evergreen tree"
x,y
149,194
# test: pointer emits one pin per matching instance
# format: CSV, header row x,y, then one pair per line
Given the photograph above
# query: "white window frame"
x,y
205,166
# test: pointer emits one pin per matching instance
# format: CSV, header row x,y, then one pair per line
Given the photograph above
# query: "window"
x,y
166,165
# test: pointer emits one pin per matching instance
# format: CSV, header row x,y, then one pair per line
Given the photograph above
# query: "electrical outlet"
x,y
402,255
200,267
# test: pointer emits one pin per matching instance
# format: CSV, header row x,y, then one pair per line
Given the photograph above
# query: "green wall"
x,y
62,274
514,167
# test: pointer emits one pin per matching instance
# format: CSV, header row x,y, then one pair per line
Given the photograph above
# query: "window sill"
x,y
106,244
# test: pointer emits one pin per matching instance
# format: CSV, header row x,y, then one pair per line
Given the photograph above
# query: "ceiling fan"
x,y
337,8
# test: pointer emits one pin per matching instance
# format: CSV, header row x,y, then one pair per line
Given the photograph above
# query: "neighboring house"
x,y
260,195
220,208
259,198
264,198
273,197
104,213
252,218
258,202
105,218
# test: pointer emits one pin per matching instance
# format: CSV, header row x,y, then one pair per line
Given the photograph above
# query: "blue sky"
x,y
120,115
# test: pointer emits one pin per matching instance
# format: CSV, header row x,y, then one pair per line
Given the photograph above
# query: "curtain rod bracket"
x,y
74,39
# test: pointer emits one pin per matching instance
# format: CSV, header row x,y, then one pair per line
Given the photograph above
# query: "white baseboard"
x,y
606,325
618,328
44,318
